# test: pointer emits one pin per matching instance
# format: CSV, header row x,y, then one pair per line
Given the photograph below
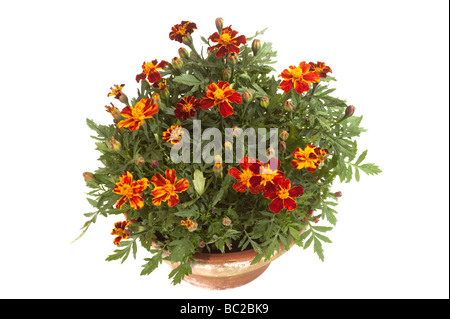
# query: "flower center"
x,y
246,176
297,73
170,189
127,190
187,107
225,38
219,95
283,193
149,66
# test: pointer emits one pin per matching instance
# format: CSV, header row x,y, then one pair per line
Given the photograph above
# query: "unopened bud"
x,y
232,58
247,96
236,131
187,39
282,145
88,176
183,53
338,194
284,135
256,45
349,111
226,74
270,152
226,221
212,212
114,145
201,244
177,63
316,219
140,161
264,102
288,106
219,24
228,146
154,163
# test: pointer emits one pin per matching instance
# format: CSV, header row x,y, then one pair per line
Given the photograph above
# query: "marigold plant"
x,y
237,199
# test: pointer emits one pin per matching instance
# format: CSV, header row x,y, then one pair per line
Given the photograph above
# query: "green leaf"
x,y
318,249
361,157
152,263
370,169
187,79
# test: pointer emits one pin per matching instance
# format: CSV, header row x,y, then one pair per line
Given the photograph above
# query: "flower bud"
x,y
316,219
256,45
156,99
218,167
349,111
226,74
264,102
284,135
113,111
183,53
177,63
219,24
228,146
187,39
88,176
201,244
140,161
236,131
338,194
270,152
114,145
212,212
233,58
282,145
247,96
154,163
226,221
288,106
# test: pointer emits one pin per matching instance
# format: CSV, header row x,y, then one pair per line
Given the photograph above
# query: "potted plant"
x,y
220,163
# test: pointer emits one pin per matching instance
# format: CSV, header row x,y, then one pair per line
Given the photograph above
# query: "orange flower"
x,y
116,91
190,225
174,134
114,111
144,109
186,107
282,195
120,232
310,158
320,68
221,95
180,30
298,78
130,190
166,189
227,42
265,174
250,167
150,71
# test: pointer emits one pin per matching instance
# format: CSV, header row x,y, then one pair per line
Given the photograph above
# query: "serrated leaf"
x,y
187,79
361,157
370,169
318,249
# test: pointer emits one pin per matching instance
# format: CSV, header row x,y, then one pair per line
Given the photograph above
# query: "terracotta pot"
x,y
224,271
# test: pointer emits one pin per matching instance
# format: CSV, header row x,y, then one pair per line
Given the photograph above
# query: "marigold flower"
x,y
166,189
120,232
227,42
221,95
150,71
310,158
187,107
282,195
250,168
114,111
298,78
320,68
190,225
116,91
130,190
173,134
268,173
180,30
135,116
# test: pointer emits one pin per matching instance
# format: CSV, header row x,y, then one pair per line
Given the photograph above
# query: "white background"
x,y
59,59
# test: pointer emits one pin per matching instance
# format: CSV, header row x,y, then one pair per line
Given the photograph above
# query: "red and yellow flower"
x,y
167,189
320,68
174,134
130,190
135,116
222,95
120,232
282,195
114,111
150,71
311,158
180,30
187,107
116,91
298,78
226,42
265,174
249,168
190,225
